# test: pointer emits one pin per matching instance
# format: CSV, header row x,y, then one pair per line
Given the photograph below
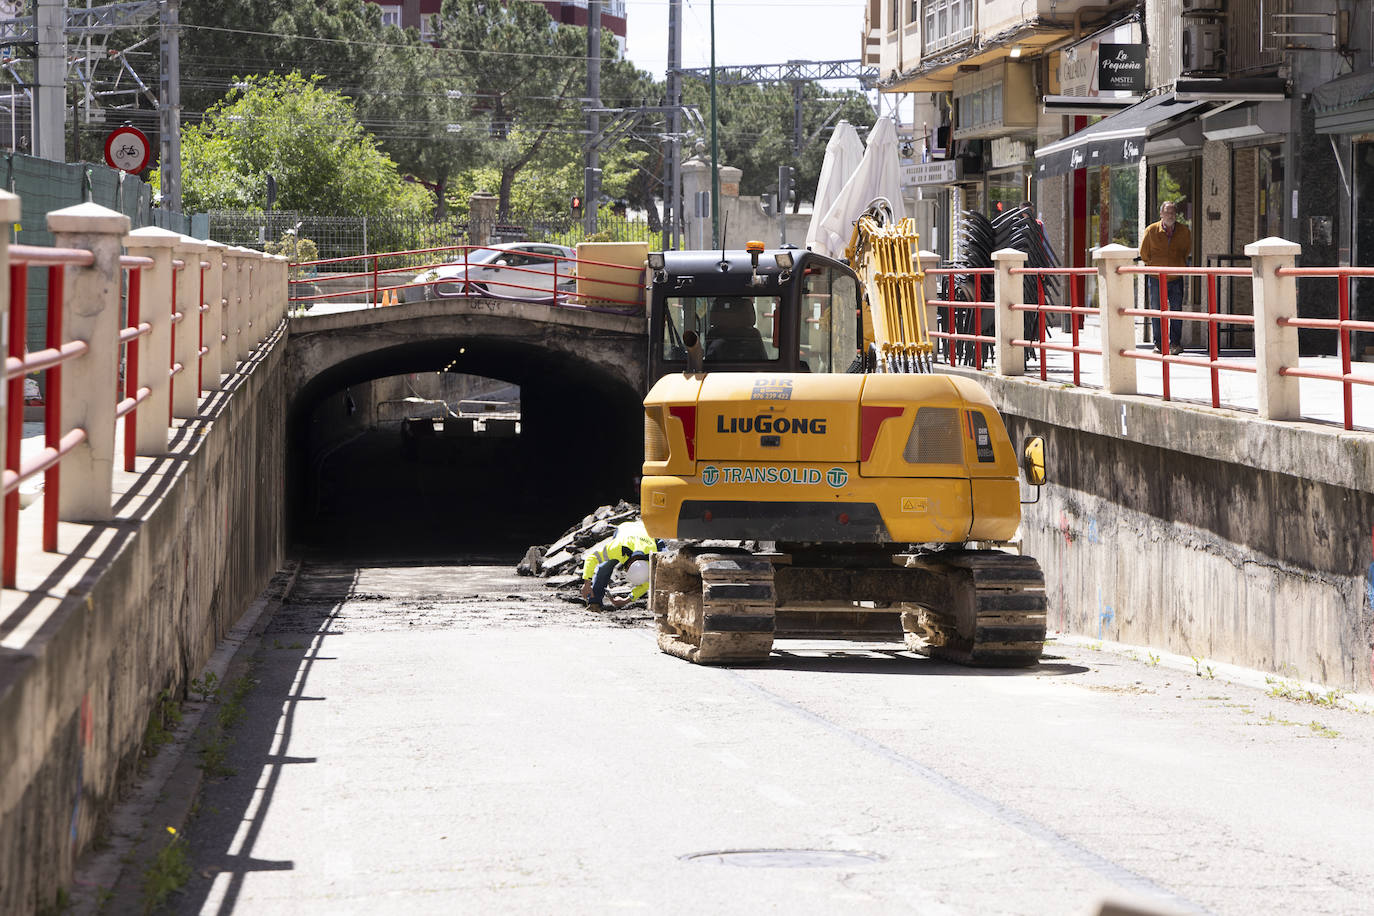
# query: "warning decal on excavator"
x,y
712,475
917,504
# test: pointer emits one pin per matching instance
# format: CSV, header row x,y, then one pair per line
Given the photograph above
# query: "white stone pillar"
x,y
213,366
240,338
1009,324
930,288
9,213
1116,291
1275,298
186,334
90,309
280,294
154,348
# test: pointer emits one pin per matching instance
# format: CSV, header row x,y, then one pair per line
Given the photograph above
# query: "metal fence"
x,y
352,236
44,186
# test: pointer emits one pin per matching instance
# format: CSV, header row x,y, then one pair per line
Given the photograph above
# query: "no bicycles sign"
x,y
127,148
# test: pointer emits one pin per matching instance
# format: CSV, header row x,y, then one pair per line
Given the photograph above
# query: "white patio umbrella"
x,y
878,175
843,154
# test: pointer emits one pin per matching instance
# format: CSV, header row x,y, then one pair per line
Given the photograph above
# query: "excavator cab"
x,y
783,310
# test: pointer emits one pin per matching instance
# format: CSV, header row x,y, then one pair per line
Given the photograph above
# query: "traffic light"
x,y
577,205
787,188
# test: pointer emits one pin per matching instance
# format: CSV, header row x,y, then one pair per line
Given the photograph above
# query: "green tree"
x,y
307,137
523,77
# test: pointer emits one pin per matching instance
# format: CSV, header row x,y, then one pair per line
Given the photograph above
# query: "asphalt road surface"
x,y
456,739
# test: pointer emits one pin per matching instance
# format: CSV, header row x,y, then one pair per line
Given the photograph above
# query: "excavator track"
x,y
993,614
712,606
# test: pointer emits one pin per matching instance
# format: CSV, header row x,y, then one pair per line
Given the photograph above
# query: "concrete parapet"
x,y
1207,533
98,635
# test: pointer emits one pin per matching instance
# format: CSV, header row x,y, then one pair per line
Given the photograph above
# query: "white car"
x,y
514,270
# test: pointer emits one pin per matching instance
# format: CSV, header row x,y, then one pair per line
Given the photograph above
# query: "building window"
x,y
391,14
948,22
429,26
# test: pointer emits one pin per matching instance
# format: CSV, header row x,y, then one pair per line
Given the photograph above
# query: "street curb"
x,y
1221,671
110,879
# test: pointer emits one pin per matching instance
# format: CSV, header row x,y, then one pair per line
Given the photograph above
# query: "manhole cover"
x,y
785,858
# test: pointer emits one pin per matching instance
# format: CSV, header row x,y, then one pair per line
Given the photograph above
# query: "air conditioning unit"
x,y
1204,46
1203,6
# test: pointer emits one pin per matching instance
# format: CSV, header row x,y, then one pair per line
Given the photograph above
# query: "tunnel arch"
x,y
580,430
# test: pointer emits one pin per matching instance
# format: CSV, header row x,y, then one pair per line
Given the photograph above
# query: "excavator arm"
x,y
885,256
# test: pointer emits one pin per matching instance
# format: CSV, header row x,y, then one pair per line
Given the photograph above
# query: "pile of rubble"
x,y
561,561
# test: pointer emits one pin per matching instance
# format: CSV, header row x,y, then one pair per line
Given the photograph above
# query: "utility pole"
x,y
591,185
715,141
672,172
50,91
169,29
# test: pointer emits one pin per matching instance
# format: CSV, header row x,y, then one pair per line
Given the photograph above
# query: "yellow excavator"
x,y
819,479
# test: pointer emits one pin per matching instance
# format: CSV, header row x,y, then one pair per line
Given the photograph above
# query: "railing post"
x,y
150,423
1276,346
279,292
9,214
213,368
262,323
240,304
186,335
1116,291
930,288
90,312
1008,324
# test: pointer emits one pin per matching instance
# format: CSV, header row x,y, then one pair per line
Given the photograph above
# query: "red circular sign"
x,y
127,148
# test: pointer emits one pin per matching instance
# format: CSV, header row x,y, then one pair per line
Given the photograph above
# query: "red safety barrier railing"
x,y
129,339
974,280
1212,316
57,441
628,288
1344,327
1077,279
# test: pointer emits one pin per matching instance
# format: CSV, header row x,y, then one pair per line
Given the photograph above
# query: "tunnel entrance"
x,y
451,460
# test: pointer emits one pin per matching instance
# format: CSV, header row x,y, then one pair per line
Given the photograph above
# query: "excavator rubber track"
x,y
993,614
712,606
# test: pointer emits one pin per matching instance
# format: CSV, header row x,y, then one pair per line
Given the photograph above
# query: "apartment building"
x,y
1255,116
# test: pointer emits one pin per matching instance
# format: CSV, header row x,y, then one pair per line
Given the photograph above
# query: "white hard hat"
x,y
637,573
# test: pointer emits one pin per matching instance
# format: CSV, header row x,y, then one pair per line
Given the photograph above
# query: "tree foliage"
x,y
306,136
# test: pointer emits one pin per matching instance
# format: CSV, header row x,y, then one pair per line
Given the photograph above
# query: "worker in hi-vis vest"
x,y
629,546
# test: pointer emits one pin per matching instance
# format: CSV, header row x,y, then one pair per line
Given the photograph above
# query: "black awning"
x,y
1345,104
1115,140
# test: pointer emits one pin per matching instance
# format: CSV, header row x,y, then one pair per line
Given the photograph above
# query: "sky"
x,y
747,32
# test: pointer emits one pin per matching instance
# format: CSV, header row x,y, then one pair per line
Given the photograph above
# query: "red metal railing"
x,y
471,283
57,441
1344,327
1212,316
134,394
1077,280
979,278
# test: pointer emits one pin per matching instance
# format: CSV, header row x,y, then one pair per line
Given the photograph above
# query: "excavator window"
x,y
730,328
829,301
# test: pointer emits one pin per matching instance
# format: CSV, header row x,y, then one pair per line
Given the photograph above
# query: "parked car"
x,y
514,270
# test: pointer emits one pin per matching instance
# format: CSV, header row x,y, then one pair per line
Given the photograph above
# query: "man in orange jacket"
x,y
1167,243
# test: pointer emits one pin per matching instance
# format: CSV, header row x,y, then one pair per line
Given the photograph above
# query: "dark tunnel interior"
x,y
364,482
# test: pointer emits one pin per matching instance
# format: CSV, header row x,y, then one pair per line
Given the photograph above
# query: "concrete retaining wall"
x,y
196,539
1203,532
